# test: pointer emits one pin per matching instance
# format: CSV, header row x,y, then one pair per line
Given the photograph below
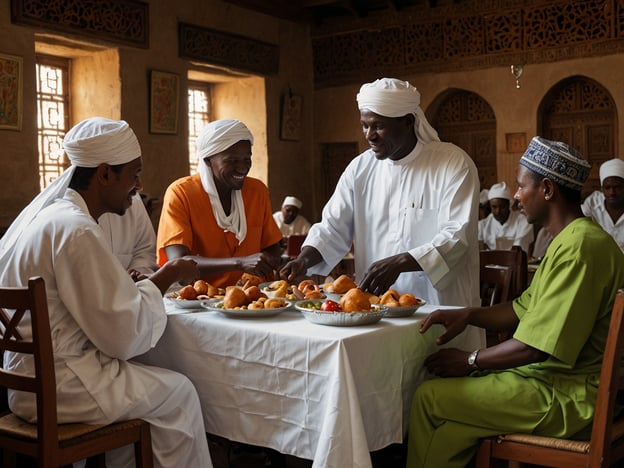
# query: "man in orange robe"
x,y
219,217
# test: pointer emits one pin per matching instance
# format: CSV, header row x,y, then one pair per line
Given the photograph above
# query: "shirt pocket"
x,y
420,225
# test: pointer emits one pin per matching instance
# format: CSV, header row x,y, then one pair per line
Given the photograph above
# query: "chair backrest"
x,y
27,307
294,243
604,428
495,284
515,258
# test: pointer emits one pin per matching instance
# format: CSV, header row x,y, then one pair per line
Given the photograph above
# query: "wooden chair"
x,y
293,244
50,443
515,258
495,283
606,445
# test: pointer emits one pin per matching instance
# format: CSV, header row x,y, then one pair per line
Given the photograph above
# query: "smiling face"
x,y
124,182
388,137
230,167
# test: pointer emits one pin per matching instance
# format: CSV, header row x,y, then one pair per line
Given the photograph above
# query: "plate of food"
x,y
306,289
192,295
400,305
273,307
185,303
328,312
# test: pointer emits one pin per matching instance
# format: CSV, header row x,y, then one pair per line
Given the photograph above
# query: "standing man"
x,y
289,220
503,222
220,217
543,380
409,206
606,206
99,317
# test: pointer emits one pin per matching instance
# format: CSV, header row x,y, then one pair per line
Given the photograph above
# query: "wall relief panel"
x,y
217,47
119,21
468,35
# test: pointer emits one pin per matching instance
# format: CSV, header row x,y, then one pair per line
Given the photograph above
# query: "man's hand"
x,y
136,275
261,264
449,362
454,321
294,270
383,273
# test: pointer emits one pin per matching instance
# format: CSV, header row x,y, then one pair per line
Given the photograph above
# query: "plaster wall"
x,y
120,78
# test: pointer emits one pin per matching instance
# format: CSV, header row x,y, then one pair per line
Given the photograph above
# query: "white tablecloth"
x,y
328,394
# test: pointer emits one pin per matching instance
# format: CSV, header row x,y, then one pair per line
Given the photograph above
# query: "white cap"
x,y
499,190
483,196
612,168
292,201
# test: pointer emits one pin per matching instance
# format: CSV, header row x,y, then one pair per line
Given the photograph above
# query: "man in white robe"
x,y
504,223
606,206
99,317
409,205
289,220
132,238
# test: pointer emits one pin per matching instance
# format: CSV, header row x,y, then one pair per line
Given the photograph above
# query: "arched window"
x,y
581,112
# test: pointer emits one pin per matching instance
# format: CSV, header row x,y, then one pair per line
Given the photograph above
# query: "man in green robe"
x,y
544,380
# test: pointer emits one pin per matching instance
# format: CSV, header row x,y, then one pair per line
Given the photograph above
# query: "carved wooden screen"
x,y
336,157
581,113
467,120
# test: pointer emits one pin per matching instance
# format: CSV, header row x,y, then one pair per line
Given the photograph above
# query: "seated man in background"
x,y
544,380
132,238
606,206
220,217
288,219
99,317
503,222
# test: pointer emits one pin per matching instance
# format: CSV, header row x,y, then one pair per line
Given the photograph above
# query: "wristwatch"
x,y
472,359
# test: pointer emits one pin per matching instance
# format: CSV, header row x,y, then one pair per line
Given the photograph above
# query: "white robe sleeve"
x,y
121,318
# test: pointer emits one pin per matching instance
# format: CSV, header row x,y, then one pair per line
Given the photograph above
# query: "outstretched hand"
x,y
383,273
454,321
261,264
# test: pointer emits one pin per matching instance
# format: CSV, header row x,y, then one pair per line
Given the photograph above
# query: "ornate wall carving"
x,y
119,21
582,113
217,47
469,35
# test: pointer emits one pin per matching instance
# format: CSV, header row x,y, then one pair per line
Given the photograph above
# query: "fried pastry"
x,y
234,297
355,300
342,284
408,299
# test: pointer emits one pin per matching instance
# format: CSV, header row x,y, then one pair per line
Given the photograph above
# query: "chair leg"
x,y
143,455
96,461
9,459
483,458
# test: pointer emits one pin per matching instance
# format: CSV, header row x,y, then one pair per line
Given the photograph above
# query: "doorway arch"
x,y
581,112
467,120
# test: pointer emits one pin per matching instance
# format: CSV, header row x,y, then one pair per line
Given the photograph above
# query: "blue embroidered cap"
x,y
557,161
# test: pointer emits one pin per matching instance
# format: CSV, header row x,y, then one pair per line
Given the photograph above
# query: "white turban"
x,y
219,135
483,196
612,168
293,201
499,190
395,98
92,142
213,139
